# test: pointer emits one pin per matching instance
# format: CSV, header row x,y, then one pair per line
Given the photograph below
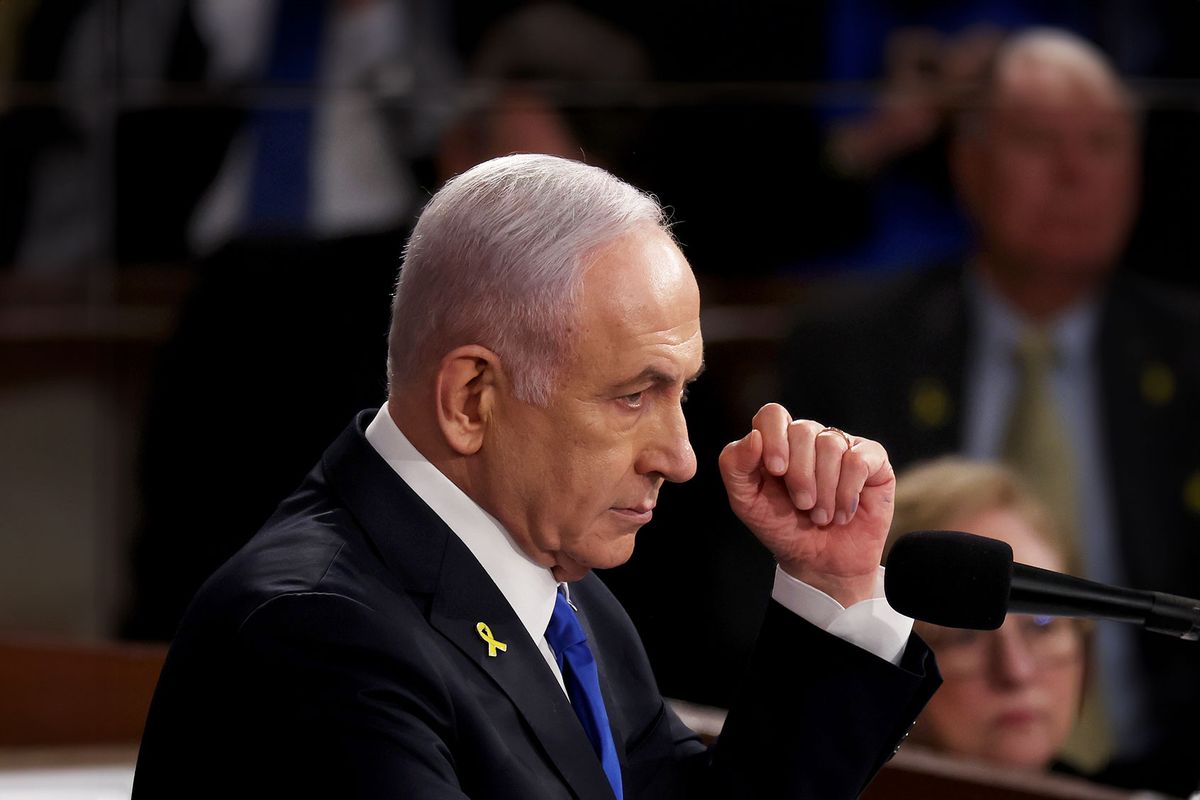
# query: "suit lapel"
x,y
945,328
1133,433
465,597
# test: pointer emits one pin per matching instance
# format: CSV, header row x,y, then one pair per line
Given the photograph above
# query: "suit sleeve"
x,y
817,717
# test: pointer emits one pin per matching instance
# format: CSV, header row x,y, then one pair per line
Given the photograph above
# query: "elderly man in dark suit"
x,y
418,619
1040,352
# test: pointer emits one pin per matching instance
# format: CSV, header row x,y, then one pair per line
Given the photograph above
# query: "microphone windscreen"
x,y
949,578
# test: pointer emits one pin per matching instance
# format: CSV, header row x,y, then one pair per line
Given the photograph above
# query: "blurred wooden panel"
x,y
65,693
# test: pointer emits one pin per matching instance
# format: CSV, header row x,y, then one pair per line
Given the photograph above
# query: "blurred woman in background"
x,y
1011,696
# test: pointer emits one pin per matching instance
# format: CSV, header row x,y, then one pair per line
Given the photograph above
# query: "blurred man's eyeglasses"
x,y
1048,641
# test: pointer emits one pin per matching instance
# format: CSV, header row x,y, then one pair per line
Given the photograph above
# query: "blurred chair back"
x,y
918,772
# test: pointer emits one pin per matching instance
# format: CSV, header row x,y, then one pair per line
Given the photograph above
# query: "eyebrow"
x,y
656,376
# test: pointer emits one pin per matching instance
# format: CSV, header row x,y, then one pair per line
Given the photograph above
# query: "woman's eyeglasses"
x,y
1049,641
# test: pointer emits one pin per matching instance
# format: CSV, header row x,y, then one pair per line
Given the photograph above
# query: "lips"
x,y
639,514
1017,717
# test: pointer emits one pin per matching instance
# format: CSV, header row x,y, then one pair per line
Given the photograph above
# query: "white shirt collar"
x,y
528,587
1072,331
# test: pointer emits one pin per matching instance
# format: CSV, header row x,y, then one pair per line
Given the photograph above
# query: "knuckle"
x,y
870,445
772,410
830,443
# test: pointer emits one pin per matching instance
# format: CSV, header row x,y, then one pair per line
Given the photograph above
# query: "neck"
x,y
412,417
411,413
1038,293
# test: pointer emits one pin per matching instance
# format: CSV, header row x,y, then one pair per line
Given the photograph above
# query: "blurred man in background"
x,y
1039,351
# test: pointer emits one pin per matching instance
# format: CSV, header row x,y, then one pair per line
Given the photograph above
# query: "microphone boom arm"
x,y
1040,591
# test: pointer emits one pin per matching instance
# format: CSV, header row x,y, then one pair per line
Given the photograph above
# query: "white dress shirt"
x,y
530,588
358,183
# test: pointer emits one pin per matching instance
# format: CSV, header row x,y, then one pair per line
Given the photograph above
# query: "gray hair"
x,y
497,259
1043,44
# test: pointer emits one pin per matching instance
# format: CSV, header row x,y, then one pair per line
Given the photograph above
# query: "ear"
x,y
467,384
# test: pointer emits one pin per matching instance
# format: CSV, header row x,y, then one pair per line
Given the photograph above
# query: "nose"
x,y
667,451
1074,162
1012,663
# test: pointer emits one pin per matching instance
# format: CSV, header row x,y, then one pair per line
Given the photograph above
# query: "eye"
x,y
632,400
1044,626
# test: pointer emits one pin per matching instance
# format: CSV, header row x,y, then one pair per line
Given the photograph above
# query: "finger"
x,y
801,475
739,464
829,448
875,461
771,422
879,473
850,485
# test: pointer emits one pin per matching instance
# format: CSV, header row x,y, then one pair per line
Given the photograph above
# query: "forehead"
x,y
639,293
1008,525
1058,78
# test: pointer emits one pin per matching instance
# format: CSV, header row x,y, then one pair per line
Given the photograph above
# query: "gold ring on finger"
x,y
839,432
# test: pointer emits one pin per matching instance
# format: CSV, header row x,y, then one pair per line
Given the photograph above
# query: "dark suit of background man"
x,y
385,634
1047,167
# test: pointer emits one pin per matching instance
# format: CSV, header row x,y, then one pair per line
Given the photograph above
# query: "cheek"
x,y
1118,196
600,460
1012,205
581,485
1065,689
1022,185
529,465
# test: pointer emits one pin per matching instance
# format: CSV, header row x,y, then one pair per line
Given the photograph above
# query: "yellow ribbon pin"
x,y
493,644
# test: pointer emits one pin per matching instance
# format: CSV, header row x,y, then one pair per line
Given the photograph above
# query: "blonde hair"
x,y
932,494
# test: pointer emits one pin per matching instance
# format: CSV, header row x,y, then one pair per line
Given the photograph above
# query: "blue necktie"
x,y
280,183
569,643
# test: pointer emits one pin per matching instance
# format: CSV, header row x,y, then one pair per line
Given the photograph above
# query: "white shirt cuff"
x,y
870,624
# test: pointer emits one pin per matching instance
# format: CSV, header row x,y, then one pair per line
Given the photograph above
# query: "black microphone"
x,y
963,581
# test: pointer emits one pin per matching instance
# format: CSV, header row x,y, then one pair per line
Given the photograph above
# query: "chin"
x,y
1029,753
569,573
623,549
615,553
615,556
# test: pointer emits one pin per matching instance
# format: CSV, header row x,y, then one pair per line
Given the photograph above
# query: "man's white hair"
x,y
497,259
1067,55
1059,47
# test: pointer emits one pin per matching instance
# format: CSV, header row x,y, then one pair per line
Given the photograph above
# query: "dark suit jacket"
x,y
337,655
892,365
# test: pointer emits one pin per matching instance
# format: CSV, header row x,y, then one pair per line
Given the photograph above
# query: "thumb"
x,y
739,464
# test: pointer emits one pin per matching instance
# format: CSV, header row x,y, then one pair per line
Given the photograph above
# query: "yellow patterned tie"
x,y
1037,446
